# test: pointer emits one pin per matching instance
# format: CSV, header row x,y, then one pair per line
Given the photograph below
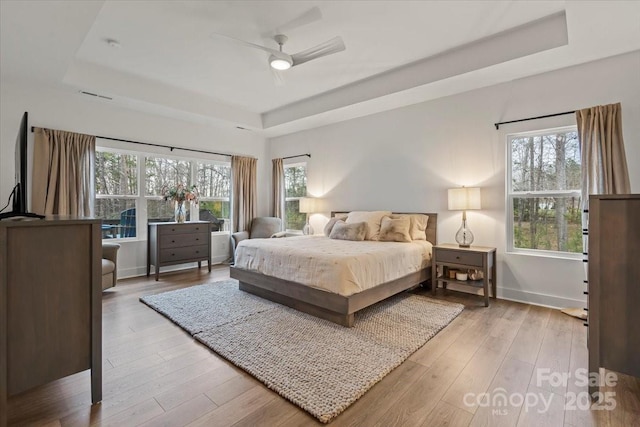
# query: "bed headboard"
x,y
432,224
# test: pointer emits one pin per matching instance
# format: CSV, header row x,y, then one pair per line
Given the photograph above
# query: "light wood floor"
x,y
155,374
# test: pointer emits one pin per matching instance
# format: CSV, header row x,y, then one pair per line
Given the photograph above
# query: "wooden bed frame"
x,y
328,305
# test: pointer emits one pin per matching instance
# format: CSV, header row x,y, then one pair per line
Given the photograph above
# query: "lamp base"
x,y
464,236
307,229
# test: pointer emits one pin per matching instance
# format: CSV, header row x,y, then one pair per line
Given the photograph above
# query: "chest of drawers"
x,y
172,243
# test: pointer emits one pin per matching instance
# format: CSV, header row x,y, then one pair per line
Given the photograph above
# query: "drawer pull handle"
x,y
585,324
173,254
197,252
197,238
457,257
173,241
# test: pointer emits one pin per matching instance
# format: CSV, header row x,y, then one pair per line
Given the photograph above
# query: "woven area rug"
x,y
318,365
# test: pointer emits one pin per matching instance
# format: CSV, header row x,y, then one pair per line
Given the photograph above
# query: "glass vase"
x,y
180,212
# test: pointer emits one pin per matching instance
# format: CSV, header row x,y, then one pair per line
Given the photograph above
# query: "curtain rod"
x,y
158,145
299,155
497,125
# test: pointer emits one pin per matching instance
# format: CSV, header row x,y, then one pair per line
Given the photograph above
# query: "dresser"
x,y
50,303
613,316
171,243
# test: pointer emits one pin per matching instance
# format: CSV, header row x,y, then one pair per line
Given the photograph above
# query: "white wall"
x,y
405,159
61,108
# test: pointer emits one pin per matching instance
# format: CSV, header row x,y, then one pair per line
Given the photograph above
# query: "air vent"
x,y
96,95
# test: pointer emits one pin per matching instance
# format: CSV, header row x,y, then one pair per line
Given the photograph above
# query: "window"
x,y
116,192
543,192
214,184
163,173
295,184
126,203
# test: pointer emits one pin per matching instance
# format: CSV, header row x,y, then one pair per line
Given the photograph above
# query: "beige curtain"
x,y
278,189
63,173
604,164
244,187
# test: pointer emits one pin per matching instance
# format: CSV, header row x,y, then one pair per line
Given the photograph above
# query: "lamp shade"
x,y
465,198
307,205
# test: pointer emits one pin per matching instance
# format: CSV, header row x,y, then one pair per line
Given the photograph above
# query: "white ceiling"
x,y
398,52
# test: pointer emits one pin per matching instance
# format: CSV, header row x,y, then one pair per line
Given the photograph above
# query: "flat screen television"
x,y
19,193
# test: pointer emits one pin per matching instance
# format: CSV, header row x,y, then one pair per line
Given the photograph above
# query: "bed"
x,y
268,268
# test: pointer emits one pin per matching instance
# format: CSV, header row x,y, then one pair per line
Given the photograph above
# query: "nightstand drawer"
x,y
459,257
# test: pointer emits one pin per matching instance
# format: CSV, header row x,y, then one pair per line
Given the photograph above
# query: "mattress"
x,y
339,266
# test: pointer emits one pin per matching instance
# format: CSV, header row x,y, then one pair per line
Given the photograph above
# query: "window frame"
x,y
141,198
510,195
194,179
290,199
136,198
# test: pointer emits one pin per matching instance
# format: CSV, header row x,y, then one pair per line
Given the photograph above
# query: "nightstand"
x,y
451,256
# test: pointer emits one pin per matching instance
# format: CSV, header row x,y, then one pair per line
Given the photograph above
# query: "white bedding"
x,y
338,266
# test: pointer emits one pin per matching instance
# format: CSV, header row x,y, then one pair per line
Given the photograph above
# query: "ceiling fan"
x,y
280,60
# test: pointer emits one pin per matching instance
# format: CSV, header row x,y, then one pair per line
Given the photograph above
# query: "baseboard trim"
x,y
142,271
534,298
545,300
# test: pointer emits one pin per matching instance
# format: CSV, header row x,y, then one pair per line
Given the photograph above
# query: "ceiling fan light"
x,y
279,63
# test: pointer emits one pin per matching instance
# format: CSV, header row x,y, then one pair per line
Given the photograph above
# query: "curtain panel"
x,y
604,163
63,173
278,190
244,187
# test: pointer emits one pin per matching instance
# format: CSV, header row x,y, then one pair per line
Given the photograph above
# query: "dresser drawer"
x,y
459,257
181,240
183,228
191,253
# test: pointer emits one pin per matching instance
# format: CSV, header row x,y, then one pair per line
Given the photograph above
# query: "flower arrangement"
x,y
181,193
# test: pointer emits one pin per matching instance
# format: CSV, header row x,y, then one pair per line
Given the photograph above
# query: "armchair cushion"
x,y
109,264
261,228
265,227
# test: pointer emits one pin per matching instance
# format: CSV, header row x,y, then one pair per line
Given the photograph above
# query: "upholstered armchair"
x,y
261,228
109,264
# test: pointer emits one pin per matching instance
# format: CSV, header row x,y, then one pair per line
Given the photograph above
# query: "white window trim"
x,y
293,231
510,195
141,198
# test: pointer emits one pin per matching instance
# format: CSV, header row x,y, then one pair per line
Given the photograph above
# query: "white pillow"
x,y
373,220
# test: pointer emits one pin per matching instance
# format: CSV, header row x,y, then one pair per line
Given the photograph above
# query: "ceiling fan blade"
x,y
329,47
248,44
278,79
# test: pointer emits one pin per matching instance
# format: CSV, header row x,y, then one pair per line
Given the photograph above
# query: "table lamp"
x,y
463,199
307,206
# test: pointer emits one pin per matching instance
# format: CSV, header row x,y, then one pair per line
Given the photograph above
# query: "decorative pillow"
x,y
354,231
395,230
330,224
372,219
418,227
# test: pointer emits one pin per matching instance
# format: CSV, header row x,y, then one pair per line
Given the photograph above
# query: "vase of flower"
x,y
180,212
180,195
